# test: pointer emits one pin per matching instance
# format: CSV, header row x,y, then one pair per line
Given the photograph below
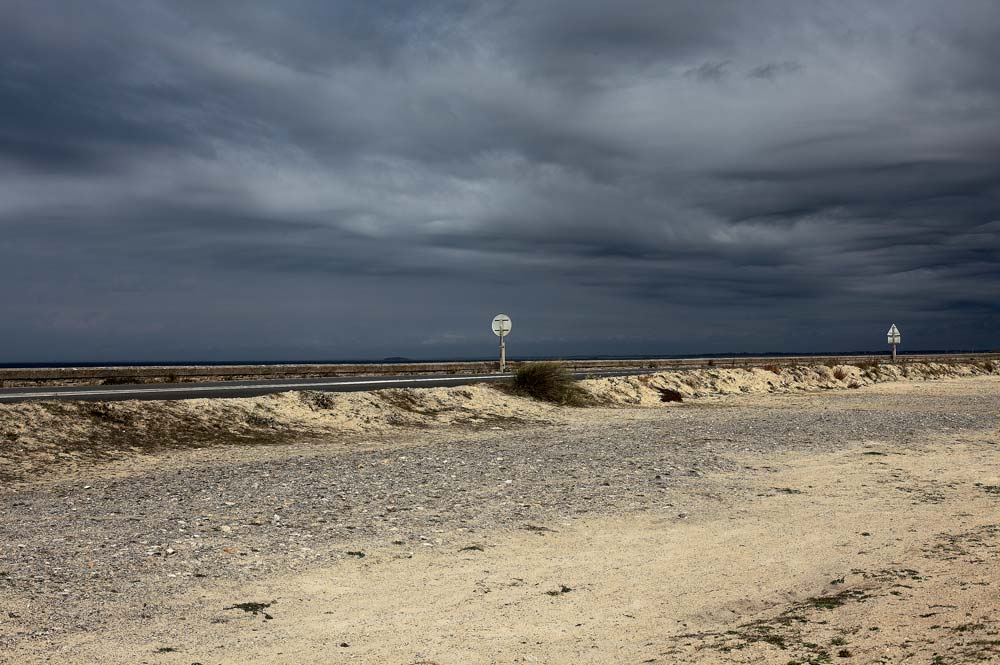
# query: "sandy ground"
x,y
61,437
855,526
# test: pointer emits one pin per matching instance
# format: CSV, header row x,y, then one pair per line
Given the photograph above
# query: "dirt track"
x,y
862,525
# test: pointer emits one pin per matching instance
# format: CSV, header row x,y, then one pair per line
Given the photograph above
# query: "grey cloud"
x,y
710,71
773,70
177,175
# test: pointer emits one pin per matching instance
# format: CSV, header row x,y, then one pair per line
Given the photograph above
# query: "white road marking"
x,y
268,386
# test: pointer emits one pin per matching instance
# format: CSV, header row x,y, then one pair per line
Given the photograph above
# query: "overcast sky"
x,y
309,180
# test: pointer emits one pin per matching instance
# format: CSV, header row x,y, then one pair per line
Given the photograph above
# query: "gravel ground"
x,y
76,553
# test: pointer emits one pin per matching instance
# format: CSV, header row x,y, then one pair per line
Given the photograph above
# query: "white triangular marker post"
x,y
894,338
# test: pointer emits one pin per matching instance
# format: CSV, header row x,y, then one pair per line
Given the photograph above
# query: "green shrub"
x,y
548,382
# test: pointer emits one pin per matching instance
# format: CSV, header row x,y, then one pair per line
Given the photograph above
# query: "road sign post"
x,y
894,338
501,328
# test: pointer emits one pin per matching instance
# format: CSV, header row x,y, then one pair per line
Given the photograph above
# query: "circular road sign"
x,y
501,325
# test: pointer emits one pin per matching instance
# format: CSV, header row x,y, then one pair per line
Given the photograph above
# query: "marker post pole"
x,y
503,353
894,338
501,328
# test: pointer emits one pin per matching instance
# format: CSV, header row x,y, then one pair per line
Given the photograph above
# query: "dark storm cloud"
x,y
296,178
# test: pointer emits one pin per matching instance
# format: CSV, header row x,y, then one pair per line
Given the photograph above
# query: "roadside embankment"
x,y
23,377
40,436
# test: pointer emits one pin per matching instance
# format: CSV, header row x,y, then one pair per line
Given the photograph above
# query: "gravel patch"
x,y
78,552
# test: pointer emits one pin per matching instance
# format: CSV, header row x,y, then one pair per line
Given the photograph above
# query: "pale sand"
x,y
61,437
772,566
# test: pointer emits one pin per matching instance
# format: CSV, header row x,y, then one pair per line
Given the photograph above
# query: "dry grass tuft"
x,y
840,373
549,382
772,368
670,395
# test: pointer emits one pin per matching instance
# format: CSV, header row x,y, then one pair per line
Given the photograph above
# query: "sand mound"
x,y
648,390
39,435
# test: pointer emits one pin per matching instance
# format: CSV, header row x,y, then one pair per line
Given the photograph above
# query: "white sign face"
x,y
501,325
893,335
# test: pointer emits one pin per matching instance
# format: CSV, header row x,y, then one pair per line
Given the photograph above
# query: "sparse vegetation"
x,y
689,379
840,373
670,395
548,382
772,368
254,608
120,381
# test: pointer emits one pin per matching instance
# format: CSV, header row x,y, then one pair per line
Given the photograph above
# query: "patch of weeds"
x,y
785,631
549,382
670,395
112,413
121,381
319,400
774,640
252,608
908,573
473,548
787,490
538,529
840,373
774,369
405,400
560,591
356,554
261,419
965,627
166,650
836,600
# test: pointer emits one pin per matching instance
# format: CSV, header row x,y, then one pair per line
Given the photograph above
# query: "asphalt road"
x,y
172,391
